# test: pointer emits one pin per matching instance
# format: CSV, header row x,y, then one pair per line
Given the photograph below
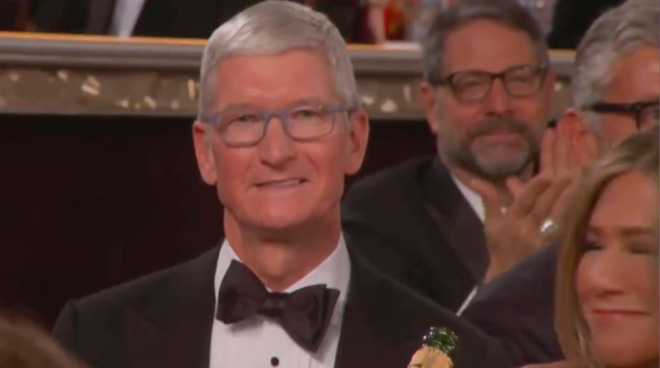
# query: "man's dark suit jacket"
x,y
517,308
159,18
412,222
165,321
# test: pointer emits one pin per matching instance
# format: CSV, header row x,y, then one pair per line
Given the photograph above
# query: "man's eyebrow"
x,y
306,101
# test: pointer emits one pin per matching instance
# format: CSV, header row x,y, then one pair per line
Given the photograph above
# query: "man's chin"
x,y
275,223
497,169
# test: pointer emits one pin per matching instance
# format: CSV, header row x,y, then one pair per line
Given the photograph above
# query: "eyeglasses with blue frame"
x,y
247,126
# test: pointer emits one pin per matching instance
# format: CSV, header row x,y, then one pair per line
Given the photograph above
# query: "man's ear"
x,y
358,136
427,95
204,153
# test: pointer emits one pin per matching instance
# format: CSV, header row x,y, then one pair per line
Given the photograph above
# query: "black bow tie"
x,y
304,314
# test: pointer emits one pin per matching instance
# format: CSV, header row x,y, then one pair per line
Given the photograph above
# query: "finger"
x,y
563,203
573,128
515,186
531,238
489,197
545,156
561,149
528,196
543,208
587,149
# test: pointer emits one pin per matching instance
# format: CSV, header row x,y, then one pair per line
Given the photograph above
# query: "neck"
x,y
466,177
281,257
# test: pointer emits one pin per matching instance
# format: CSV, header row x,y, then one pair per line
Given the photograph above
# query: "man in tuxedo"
x,y
615,93
279,126
487,95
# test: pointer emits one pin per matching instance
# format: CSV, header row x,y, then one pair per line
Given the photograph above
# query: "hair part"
x,y
638,152
616,34
508,13
270,28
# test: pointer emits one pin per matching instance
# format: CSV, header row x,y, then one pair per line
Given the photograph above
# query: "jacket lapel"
x,y
100,14
456,219
369,336
174,330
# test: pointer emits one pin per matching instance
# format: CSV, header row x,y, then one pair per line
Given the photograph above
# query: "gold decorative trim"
x,y
97,75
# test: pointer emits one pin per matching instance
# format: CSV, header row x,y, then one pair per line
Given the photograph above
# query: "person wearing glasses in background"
x,y
615,94
279,127
488,96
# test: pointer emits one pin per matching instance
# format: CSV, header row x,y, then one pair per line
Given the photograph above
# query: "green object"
x,y
442,339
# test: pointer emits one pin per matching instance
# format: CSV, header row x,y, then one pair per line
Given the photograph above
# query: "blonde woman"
x,y
607,279
25,345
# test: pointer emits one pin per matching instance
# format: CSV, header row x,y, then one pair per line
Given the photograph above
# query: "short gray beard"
x,y
461,155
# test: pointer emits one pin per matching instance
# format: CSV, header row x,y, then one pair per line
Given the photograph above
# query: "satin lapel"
x,y
100,14
174,330
369,336
456,219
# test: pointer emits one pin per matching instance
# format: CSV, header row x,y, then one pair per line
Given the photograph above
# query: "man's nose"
x,y
498,101
276,148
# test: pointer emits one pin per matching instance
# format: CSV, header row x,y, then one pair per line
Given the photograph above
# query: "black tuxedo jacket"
x,y
165,321
159,18
412,222
517,308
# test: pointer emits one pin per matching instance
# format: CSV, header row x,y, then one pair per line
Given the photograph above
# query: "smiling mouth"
x,y
615,311
614,314
277,184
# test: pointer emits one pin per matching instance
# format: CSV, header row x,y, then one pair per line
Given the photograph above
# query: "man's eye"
x,y
246,118
469,82
305,114
520,78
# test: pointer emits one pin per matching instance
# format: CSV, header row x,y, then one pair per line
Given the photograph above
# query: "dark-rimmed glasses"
x,y
247,126
644,112
474,85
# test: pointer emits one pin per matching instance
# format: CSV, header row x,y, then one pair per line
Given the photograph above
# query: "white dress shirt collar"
x,y
471,197
235,345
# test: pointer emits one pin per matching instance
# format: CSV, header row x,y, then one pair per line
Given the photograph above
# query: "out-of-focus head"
x,y
24,345
607,277
279,122
617,68
488,89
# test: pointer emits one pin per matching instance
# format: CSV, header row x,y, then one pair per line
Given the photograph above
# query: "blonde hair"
x,y
23,344
639,152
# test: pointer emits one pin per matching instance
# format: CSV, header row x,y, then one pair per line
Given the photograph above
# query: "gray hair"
x,y
508,13
272,27
615,34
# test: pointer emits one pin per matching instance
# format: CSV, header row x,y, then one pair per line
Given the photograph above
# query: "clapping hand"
x,y
533,219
